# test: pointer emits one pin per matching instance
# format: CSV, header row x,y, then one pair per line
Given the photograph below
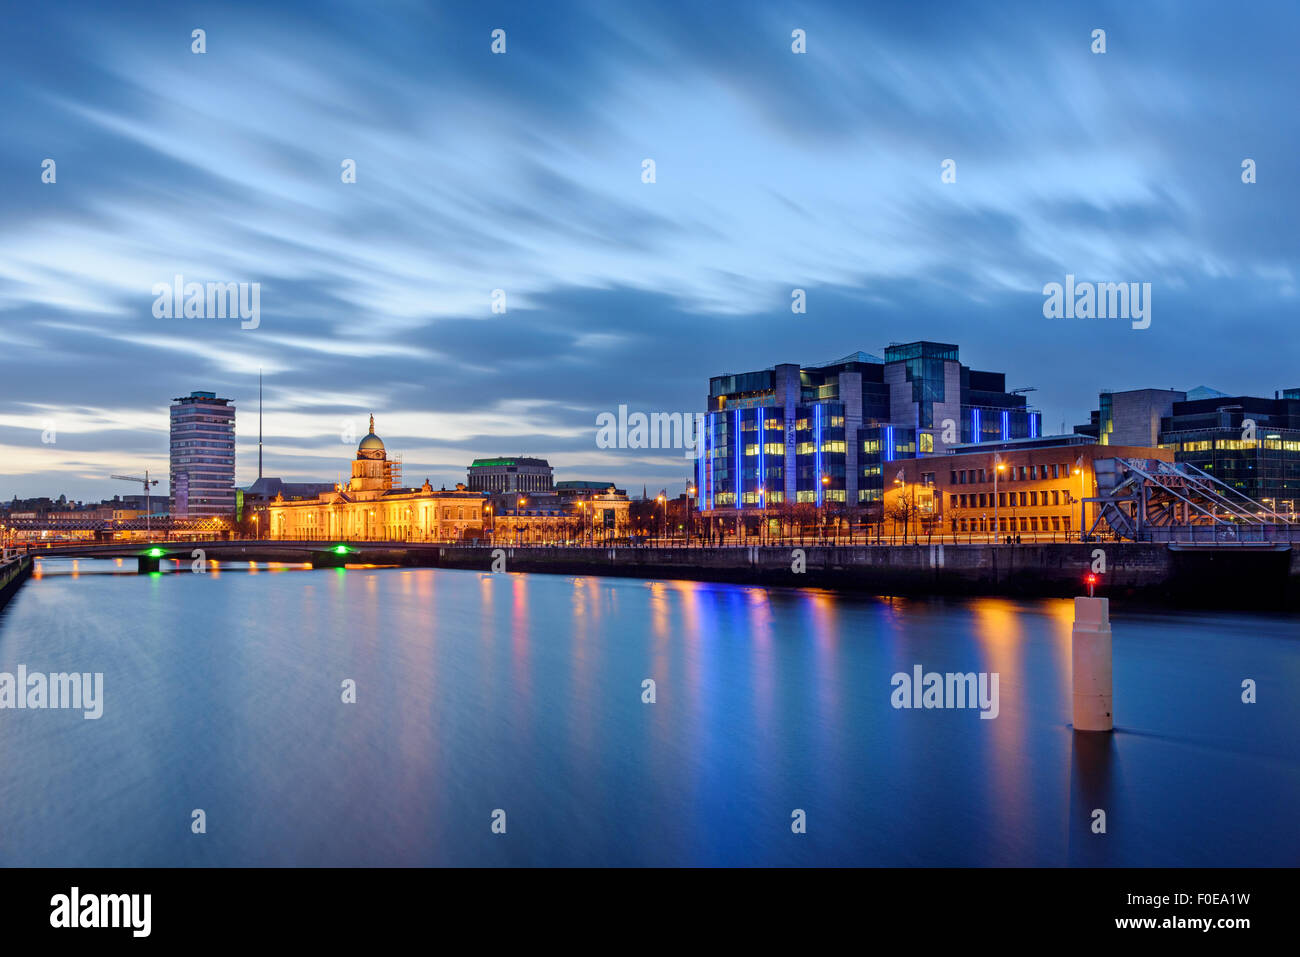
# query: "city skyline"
x,y
523,172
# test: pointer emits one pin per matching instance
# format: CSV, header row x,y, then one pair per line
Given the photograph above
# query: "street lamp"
x,y
821,519
1082,518
690,494
664,501
997,527
903,498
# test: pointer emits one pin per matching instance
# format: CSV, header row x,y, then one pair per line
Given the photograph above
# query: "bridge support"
x,y
330,559
147,564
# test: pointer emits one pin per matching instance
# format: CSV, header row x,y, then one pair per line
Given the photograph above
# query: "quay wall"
x,y
12,575
1137,570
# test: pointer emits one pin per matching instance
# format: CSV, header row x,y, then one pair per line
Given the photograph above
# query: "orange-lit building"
x,y
575,512
1031,488
369,509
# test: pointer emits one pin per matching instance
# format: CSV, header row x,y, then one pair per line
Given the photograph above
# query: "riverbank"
x,y
12,574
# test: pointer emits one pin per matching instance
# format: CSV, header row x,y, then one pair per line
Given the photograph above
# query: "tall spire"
x,y
259,423
372,423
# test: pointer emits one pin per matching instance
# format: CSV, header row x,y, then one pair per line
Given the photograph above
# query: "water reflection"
x,y
1092,820
483,691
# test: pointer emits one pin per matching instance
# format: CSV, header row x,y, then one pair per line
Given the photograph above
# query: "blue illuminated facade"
x,y
825,435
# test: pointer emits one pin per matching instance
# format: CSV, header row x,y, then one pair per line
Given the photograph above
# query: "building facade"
x,y
202,457
828,434
573,512
1031,489
1249,443
509,475
368,509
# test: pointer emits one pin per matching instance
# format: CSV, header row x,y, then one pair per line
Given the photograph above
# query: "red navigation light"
x,y
1090,580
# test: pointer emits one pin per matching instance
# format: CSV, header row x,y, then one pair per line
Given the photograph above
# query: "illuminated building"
x,y
509,475
202,456
573,512
828,434
369,509
1249,443
1031,488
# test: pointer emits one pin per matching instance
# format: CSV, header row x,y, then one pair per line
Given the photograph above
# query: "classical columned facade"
x,y
366,509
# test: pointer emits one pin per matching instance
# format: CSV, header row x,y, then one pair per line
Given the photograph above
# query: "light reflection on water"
x,y
478,691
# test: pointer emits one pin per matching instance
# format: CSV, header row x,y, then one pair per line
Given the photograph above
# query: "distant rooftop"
x,y
851,357
270,487
1037,442
201,397
491,463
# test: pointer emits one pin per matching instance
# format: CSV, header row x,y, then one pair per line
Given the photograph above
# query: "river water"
x,y
523,694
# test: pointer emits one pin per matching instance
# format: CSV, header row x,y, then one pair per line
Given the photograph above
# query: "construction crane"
x,y
148,498
1028,388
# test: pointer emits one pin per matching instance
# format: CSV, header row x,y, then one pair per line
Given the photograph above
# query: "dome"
x,y
372,446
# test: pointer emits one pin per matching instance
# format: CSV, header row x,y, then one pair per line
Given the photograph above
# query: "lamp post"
x,y
519,524
1082,519
821,517
900,481
1000,467
690,494
661,499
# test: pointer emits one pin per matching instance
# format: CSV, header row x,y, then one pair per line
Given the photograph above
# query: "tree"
x,y
902,511
930,520
805,514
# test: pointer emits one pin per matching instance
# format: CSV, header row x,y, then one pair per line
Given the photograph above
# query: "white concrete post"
x,y
1090,665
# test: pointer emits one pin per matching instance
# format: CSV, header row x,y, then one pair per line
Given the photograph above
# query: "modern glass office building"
x,y
1247,442
826,434
202,456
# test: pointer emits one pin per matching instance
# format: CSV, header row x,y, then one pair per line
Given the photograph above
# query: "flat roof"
x,y
489,463
1037,442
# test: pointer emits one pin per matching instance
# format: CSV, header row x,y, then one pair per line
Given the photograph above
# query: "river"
x,y
523,694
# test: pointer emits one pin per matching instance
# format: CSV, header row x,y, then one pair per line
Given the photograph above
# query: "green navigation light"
x,y
341,549
155,553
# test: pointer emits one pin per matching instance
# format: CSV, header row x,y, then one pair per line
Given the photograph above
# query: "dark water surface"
x,y
523,692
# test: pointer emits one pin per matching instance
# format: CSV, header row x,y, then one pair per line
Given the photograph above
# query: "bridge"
x,y
105,528
328,554
1148,500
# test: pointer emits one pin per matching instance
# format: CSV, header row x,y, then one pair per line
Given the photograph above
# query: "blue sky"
x,y
522,172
